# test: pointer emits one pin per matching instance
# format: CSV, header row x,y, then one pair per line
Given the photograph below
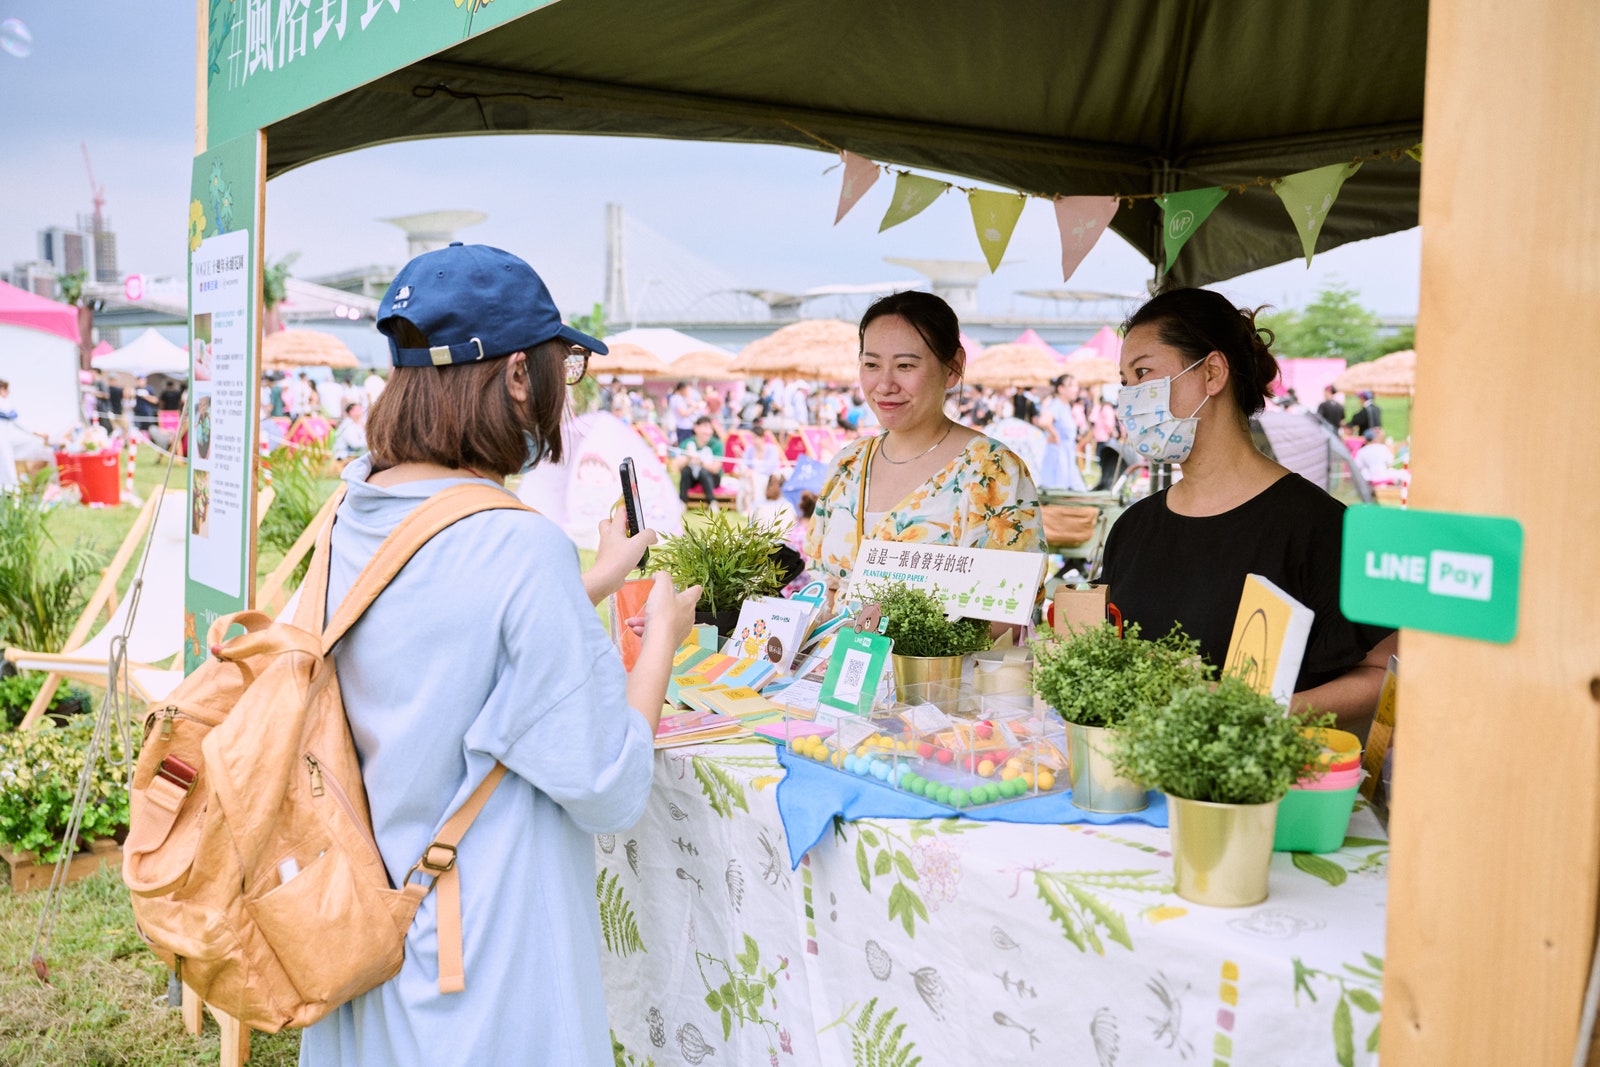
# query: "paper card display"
x,y
750,673
771,628
1269,639
742,703
784,732
695,695
974,583
855,670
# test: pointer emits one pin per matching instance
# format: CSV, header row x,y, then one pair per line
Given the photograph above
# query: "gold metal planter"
x,y
927,679
1221,853
1096,786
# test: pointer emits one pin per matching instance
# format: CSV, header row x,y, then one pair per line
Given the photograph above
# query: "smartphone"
x,y
632,504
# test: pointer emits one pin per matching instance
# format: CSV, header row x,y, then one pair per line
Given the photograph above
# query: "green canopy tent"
x,y
1096,97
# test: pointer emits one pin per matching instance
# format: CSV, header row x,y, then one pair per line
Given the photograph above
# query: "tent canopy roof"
x,y
1101,97
147,354
18,307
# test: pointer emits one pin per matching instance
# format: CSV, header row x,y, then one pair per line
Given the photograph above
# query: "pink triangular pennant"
x,y
859,174
1082,219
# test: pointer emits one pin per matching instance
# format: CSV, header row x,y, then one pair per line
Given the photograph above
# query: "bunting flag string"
x,y
860,174
995,215
1081,220
912,193
1184,213
1307,196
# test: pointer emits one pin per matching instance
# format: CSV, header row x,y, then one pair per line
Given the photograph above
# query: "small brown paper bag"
x,y
1077,609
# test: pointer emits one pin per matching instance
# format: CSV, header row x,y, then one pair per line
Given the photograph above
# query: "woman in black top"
x,y
1194,368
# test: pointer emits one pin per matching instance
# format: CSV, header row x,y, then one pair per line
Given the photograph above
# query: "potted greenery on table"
x,y
1094,679
928,645
1225,755
731,560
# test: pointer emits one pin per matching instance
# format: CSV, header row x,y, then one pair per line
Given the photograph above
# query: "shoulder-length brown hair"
x,y
463,415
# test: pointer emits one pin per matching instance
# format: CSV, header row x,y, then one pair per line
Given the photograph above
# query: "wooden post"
x,y
1496,821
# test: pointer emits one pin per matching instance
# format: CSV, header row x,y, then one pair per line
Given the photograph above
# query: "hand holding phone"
x,y
632,505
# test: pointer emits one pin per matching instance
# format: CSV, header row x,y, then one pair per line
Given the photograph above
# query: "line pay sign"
x,y
1432,570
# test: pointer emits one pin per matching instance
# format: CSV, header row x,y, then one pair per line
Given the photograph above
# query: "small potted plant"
x,y
1094,678
731,560
1225,755
39,772
928,645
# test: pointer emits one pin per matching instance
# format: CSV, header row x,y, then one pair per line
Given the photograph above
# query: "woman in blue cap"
x,y
486,648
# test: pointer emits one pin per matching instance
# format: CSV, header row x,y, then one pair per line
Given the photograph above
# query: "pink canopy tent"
x,y
1106,343
1031,337
970,346
18,307
102,349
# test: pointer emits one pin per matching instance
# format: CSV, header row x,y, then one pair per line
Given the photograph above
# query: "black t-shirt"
x,y
114,395
171,400
1023,407
1331,412
1164,568
1369,417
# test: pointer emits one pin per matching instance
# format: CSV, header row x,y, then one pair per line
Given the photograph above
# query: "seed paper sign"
x,y
974,583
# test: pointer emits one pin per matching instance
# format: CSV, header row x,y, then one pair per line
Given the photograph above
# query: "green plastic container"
x,y
1314,820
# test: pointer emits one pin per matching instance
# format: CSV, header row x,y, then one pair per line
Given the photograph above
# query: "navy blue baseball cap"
x,y
472,302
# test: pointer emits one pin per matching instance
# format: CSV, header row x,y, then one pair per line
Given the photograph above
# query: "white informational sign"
x,y
220,449
974,583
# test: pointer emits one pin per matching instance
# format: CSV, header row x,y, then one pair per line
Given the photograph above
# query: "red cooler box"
x,y
96,474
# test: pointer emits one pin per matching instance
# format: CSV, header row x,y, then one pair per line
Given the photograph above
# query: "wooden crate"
x,y
28,873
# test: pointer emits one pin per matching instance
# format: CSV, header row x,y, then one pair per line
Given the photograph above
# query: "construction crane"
x,y
97,191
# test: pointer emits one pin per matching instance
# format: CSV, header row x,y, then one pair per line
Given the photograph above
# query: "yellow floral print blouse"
x,y
983,498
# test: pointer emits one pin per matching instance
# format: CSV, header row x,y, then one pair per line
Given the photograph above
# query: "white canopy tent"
x,y
43,372
149,353
665,343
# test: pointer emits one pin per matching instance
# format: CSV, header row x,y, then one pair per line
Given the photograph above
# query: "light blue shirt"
x,y
485,648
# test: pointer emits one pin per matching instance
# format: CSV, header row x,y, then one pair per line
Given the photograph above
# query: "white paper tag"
x,y
852,730
926,718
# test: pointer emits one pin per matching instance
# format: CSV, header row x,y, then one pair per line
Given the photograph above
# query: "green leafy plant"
x,y
915,620
43,585
744,992
731,560
1095,678
1222,743
297,497
39,770
18,691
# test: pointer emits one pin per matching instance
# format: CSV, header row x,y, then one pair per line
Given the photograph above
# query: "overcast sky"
x,y
119,77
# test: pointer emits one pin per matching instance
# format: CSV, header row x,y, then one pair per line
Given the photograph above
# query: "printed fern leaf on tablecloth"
x,y
617,922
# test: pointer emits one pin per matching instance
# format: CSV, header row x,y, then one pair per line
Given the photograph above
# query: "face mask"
x,y
1153,431
536,451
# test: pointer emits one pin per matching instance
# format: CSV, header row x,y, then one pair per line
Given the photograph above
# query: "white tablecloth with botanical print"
x,y
952,942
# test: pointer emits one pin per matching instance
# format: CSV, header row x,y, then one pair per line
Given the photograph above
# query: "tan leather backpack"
x,y
250,853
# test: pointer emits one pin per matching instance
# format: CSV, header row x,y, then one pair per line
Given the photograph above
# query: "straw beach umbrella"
x,y
706,364
1391,375
1014,364
1090,368
625,358
822,349
294,349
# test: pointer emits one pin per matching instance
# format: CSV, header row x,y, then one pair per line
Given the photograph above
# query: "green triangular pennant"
x,y
1415,151
1181,215
1308,196
995,215
912,193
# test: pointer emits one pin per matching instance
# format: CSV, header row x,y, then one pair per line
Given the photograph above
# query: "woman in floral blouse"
x,y
925,478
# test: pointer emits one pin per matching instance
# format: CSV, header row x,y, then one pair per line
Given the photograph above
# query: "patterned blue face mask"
x,y
1153,431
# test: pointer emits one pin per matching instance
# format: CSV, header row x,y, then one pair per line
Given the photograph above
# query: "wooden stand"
x,y
1496,813
235,1036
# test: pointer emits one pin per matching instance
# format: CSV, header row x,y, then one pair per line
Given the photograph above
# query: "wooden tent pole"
x,y
1496,821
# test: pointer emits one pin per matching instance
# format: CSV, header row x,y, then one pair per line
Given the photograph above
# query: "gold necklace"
x,y
900,462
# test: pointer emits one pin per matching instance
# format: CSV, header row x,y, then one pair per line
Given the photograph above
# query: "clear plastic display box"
x,y
958,748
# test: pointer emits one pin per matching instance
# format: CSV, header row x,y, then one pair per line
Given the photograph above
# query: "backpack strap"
x,y
439,512
310,612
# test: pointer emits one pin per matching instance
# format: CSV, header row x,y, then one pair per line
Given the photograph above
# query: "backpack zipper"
x,y
319,781
168,713
316,774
